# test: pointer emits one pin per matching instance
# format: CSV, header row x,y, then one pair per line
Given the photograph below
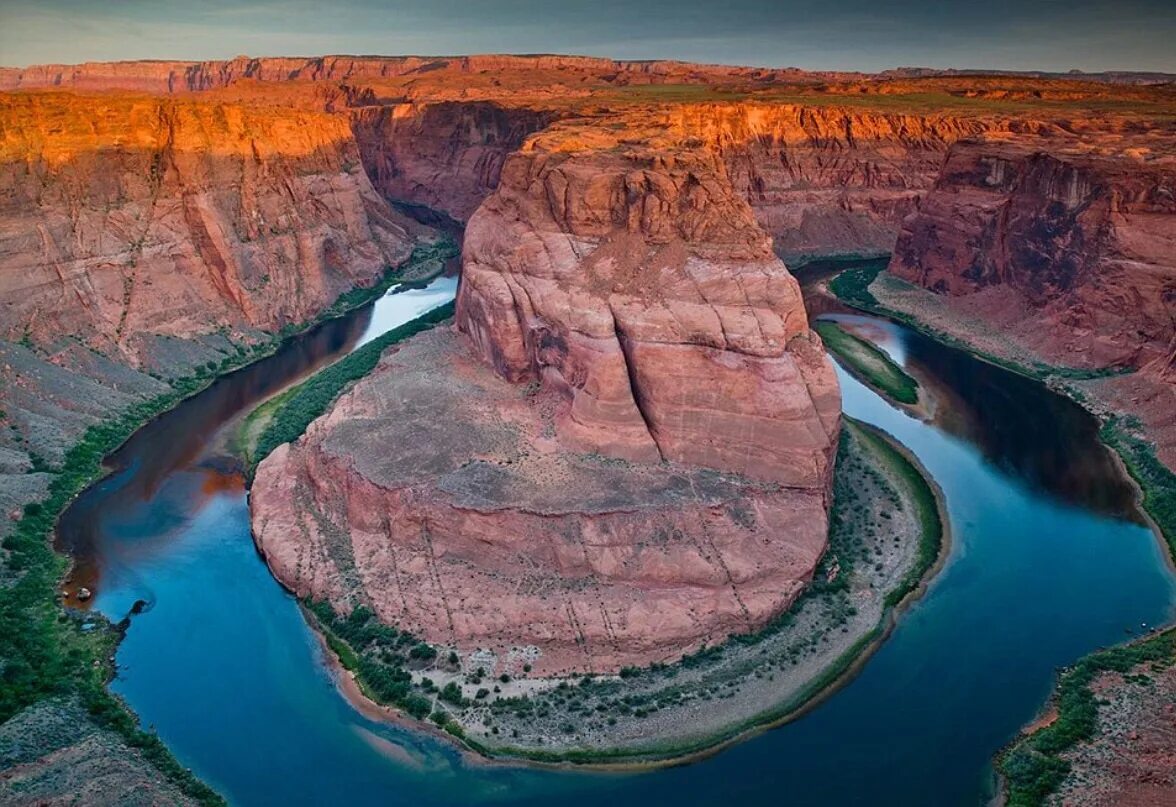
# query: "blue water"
x,y
1048,561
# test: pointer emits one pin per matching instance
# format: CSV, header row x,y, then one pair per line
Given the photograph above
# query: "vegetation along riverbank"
x,y
1091,696
888,530
869,364
60,660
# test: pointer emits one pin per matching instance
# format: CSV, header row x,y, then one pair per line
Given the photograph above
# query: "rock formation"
x,y
640,285
641,458
441,495
1086,238
629,454
445,156
130,219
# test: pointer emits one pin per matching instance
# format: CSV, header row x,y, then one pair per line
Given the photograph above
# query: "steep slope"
x,y
637,282
828,180
1086,239
126,220
628,453
445,156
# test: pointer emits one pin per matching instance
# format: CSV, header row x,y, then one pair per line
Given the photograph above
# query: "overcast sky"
x,y
819,34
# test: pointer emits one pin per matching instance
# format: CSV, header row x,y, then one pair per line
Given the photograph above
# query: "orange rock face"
x,y
128,219
827,180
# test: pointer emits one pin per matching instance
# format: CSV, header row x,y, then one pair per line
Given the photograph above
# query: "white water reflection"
x,y
397,307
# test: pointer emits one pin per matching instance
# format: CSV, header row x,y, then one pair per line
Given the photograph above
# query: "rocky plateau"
x,y
623,448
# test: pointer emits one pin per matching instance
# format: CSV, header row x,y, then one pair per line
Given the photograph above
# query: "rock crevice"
x,y
624,450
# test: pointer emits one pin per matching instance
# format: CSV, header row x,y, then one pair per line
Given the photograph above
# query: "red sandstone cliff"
x,y
446,156
440,495
1085,236
627,456
823,179
129,218
640,286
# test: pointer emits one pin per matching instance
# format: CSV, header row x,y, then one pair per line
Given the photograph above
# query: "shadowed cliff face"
x,y
640,286
826,180
1086,238
127,219
445,156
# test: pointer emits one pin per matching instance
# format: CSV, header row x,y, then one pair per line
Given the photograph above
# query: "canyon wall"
x,y
1087,239
446,156
183,76
625,454
125,220
827,180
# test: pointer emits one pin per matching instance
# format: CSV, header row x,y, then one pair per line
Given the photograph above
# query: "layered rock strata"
x,y
628,454
440,494
640,286
445,156
1085,239
131,219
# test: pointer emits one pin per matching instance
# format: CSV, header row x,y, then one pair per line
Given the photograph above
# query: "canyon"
x,y
637,301
1059,258
622,451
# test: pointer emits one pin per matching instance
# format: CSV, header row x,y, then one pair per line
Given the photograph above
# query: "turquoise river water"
x,y
1049,560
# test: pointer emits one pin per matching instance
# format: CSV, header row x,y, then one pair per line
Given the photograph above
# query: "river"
x,y
1049,560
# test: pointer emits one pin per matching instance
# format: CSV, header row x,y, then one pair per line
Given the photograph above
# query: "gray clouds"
x,y
852,34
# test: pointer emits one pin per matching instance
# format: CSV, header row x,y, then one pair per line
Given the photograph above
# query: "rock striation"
x,y
625,455
640,286
444,156
829,180
1085,238
126,220
440,495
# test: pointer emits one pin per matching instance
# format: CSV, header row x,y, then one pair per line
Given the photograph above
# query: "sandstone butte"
x,y
664,484
624,449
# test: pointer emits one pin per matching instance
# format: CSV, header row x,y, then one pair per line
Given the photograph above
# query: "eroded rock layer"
x,y
640,286
1085,237
127,219
629,452
441,495
445,156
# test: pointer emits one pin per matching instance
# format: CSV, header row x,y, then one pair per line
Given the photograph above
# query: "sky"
x,y
1056,35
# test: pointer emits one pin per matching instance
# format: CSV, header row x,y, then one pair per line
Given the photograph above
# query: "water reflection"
x,y
226,669
1044,440
177,461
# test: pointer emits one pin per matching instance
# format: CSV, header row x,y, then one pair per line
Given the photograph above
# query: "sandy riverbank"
x,y
724,695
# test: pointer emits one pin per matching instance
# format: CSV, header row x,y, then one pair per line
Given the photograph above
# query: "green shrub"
x,y
310,399
1032,766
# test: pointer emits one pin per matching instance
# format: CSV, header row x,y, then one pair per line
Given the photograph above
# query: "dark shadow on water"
x,y
1041,438
178,438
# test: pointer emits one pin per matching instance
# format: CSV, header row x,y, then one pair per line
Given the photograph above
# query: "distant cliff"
x,y
1086,237
129,219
